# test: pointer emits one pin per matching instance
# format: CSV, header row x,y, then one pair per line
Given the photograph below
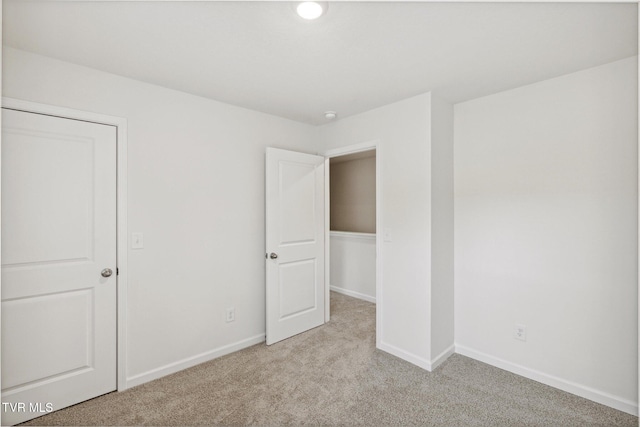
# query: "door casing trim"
x,y
121,211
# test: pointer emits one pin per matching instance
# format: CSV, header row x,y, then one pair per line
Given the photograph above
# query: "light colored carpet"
x,y
333,375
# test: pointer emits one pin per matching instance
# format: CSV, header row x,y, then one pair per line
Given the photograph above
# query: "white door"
x,y
295,243
58,249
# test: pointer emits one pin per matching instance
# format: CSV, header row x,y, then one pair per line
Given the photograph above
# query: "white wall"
x,y
353,264
403,130
546,231
196,191
442,214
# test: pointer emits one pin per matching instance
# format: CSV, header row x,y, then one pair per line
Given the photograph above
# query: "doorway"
x,y
352,200
354,224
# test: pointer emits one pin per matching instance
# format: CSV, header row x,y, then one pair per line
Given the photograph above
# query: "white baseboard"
x,y
192,361
353,294
417,360
437,361
598,396
405,355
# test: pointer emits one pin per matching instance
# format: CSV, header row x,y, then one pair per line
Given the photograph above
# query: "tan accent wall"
x,y
353,195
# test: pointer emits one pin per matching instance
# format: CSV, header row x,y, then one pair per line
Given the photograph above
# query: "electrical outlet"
x,y
520,332
231,314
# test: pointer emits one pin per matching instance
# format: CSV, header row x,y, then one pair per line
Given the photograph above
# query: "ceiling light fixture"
x,y
311,9
330,115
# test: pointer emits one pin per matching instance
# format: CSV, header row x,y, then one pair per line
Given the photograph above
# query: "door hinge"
x,y
117,271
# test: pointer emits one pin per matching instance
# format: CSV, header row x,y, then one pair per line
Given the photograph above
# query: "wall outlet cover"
x,y
231,314
520,332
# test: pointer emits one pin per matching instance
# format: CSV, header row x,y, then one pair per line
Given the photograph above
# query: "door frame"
x,y
343,151
121,211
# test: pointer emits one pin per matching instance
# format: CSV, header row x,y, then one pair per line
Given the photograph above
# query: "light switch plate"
x,y
137,241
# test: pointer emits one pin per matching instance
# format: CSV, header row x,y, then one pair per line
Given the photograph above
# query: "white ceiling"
x,y
358,56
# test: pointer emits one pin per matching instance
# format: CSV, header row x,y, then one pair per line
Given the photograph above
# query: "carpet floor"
x,y
333,375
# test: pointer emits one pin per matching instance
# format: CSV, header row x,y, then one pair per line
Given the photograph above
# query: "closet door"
x,y
58,263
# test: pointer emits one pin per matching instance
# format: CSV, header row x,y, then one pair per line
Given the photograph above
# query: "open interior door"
x,y
294,243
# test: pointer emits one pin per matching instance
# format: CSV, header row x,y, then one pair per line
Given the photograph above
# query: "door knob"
x,y
273,255
106,272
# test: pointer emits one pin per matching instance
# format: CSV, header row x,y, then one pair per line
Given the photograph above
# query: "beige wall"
x,y
353,195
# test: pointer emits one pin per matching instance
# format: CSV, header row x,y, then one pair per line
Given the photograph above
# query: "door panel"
x,y
31,238
296,299
61,323
58,234
295,233
297,204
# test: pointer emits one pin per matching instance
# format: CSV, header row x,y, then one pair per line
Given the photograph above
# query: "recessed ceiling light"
x,y
311,9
